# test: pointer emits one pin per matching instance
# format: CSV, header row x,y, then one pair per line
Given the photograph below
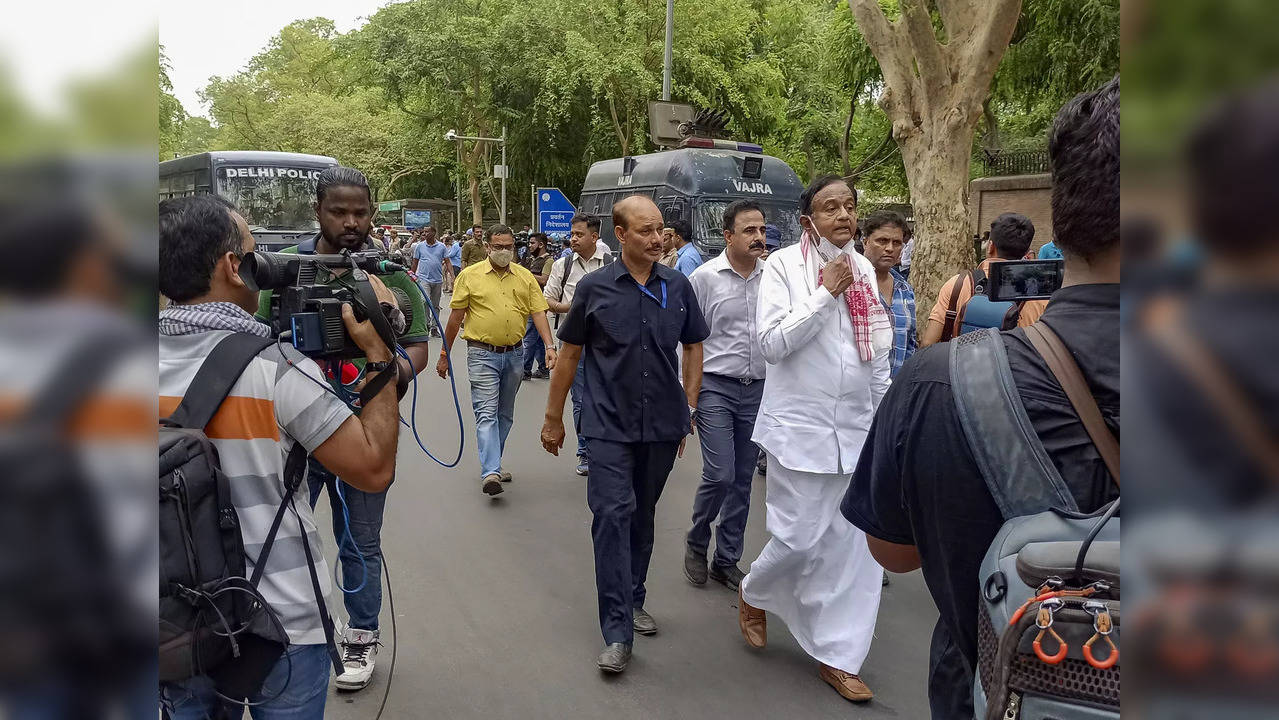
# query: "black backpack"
x,y
210,613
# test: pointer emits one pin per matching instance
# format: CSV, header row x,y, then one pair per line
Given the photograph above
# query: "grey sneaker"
x,y
614,658
730,576
505,476
695,566
492,484
643,623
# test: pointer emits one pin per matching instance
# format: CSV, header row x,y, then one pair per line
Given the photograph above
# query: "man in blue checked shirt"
x,y
687,257
886,233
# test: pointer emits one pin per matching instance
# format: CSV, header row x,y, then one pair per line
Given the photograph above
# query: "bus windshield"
x,y
271,198
708,219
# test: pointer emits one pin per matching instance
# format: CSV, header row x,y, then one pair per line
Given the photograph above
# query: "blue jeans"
x,y
365,511
534,348
302,698
579,395
726,411
495,378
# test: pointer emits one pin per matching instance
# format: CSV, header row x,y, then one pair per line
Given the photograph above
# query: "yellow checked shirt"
x,y
497,304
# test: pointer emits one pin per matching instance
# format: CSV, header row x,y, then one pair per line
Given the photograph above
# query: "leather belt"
x,y
744,381
491,348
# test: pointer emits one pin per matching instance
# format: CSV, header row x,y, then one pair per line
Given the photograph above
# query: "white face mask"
x,y
501,258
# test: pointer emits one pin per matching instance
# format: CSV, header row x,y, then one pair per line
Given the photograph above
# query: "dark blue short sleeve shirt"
x,y
629,344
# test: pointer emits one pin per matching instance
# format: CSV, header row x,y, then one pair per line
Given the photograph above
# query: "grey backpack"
x,y
1048,619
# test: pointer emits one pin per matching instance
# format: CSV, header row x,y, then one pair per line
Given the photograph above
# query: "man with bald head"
x,y
625,323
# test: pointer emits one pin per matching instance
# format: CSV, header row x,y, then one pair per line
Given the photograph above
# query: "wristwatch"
x,y
371,367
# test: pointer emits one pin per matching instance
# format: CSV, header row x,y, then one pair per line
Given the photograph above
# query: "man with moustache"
x,y
727,289
344,209
826,340
627,319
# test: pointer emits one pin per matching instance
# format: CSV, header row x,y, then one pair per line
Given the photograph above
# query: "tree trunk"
x,y
938,179
933,94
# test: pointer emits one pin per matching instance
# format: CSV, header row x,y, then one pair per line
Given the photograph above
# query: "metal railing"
x,y
1023,162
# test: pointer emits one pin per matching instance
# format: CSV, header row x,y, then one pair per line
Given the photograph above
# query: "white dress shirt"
x,y
728,302
561,286
820,397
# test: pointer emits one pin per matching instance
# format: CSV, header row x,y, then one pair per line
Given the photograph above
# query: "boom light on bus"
x,y
697,142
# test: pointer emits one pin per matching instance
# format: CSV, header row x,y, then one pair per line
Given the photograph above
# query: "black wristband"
x,y
380,366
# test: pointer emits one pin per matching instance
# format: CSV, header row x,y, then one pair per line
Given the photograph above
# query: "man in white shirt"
x,y
826,341
727,289
588,255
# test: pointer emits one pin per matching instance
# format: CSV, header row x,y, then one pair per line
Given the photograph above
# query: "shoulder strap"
x,y
214,379
954,311
294,472
1064,368
1013,315
1020,475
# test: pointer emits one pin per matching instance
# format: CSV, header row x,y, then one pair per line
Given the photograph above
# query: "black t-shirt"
x,y
916,482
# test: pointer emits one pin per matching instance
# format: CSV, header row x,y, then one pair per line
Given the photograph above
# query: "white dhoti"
x,y
816,573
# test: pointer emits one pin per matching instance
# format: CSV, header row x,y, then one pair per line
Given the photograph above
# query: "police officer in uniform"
x,y
628,318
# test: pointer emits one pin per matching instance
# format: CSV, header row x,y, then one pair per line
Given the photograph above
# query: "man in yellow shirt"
x,y
496,297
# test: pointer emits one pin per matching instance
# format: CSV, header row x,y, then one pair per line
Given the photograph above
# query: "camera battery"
x,y
308,332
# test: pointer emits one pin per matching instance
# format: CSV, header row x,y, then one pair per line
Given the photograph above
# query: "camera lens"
x,y
268,270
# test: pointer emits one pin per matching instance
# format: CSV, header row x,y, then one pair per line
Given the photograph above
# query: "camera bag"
x,y
1048,618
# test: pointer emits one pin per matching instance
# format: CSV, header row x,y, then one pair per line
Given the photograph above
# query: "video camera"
x,y
310,309
1018,280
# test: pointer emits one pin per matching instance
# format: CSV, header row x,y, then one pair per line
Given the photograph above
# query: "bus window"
x,y
272,198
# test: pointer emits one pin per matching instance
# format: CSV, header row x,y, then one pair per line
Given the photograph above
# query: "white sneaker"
x,y
359,652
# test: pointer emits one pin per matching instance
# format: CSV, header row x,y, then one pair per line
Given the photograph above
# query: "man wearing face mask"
x,y
496,297
826,340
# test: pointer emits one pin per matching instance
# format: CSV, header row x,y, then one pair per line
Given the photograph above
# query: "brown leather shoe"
x,y
846,684
753,621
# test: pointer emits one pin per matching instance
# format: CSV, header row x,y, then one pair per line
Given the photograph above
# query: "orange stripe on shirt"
x,y
239,418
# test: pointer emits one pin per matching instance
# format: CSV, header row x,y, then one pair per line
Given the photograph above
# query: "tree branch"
x,y
958,17
892,53
934,70
876,156
991,35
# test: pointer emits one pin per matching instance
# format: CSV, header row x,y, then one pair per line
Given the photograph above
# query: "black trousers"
x,y
625,481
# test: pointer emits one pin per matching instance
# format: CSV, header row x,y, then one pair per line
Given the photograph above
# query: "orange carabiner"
x,y
1044,622
1102,624
1110,660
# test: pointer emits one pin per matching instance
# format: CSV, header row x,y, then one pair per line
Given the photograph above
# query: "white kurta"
x,y
816,572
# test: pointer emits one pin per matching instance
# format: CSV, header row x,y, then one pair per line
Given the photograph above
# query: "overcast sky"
x,y
45,44
203,40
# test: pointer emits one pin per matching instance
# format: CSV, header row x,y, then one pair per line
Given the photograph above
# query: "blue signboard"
x,y
414,219
554,211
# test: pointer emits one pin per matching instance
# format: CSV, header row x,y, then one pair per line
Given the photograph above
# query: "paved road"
x,y
495,601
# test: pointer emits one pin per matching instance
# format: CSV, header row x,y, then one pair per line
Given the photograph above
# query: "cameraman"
x,y
917,491
202,241
344,209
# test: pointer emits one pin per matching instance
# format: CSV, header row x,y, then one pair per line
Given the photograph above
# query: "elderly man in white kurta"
x,y
826,341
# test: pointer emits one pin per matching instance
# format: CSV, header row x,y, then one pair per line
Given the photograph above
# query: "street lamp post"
x,y
453,136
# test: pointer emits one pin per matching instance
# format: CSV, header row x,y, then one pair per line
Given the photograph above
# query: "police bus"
x,y
695,183
273,190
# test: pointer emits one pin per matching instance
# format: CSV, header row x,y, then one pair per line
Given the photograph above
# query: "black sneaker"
x,y
527,376
730,576
695,566
542,374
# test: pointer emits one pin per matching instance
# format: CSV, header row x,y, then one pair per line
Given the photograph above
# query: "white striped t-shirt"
x,y
269,408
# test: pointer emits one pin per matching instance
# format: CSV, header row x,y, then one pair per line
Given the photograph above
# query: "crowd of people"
x,y
806,352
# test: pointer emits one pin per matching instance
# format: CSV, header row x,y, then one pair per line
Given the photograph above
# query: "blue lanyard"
x,y
649,293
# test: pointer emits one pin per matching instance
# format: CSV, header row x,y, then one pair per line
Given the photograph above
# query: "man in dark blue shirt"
x,y
628,317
